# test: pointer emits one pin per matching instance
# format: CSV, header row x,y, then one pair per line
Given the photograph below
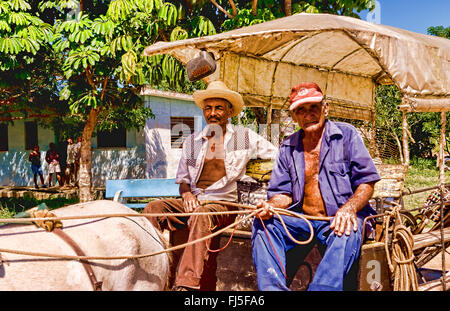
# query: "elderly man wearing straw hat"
x,y
323,170
212,161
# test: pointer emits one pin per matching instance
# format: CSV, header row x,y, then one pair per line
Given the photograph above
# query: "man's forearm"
x,y
184,188
361,197
280,201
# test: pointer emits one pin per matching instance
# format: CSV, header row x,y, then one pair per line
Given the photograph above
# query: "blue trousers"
x,y
340,254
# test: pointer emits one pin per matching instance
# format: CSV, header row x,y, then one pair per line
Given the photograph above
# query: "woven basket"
x,y
250,192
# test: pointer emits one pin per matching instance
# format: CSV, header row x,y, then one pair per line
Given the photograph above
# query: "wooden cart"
x,y
348,58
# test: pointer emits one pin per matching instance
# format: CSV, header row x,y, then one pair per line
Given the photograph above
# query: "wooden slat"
x,y
373,268
429,238
435,285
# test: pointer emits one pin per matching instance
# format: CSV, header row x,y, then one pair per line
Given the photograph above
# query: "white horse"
x,y
96,237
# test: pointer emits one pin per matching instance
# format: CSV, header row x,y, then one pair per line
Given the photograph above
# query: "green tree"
x,y
439,31
25,63
444,32
103,68
388,121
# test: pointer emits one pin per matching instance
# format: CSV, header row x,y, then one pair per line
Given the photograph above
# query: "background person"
x,y
70,169
52,158
35,159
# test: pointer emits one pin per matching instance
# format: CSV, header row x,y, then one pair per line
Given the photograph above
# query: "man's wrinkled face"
x,y
217,111
310,116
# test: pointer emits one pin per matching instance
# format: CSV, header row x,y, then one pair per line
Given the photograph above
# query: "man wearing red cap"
x,y
322,170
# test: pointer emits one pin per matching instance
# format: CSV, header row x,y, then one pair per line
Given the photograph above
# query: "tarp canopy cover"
x,y
345,56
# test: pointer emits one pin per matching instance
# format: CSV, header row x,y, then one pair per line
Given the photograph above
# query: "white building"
x,y
153,152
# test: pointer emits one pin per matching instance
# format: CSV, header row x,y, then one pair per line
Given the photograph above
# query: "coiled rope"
x,y
401,260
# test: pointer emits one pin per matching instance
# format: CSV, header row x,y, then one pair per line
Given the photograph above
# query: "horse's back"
x,y
99,237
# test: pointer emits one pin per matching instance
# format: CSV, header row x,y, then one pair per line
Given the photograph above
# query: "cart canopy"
x,y
346,56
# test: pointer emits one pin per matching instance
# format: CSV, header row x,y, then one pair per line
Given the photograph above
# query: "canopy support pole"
x,y
373,149
442,188
269,122
405,141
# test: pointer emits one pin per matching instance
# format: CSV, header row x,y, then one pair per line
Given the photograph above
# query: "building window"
x,y
181,127
31,135
112,139
3,137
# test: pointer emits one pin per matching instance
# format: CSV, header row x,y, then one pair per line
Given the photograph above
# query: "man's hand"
x,y
346,217
277,201
344,220
266,213
190,202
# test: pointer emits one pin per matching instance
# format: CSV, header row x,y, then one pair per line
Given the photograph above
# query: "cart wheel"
x,y
421,223
409,221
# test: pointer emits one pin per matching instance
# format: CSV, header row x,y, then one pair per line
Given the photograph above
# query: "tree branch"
x,y
233,7
10,100
89,77
221,9
104,89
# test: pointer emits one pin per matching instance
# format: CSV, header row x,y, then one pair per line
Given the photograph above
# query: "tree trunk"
x,y
288,7
85,173
254,7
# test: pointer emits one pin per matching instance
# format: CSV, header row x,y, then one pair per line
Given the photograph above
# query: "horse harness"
x,y
97,285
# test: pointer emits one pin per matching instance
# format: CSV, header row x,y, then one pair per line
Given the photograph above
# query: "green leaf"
x,y
178,33
19,5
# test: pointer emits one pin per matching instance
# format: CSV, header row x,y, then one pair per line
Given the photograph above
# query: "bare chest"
x,y
311,163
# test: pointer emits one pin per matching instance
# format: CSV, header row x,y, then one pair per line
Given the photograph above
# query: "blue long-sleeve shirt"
x,y
344,164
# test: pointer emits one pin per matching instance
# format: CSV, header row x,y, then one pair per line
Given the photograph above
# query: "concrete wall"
x,y
14,166
119,163
162,160
148,153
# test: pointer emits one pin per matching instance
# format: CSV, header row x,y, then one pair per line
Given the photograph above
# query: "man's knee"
x,y
154,207
201,222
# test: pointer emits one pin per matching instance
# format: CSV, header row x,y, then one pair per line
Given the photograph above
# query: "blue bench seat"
x,y
122,189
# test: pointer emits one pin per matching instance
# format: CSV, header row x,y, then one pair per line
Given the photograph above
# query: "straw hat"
x,y
218,89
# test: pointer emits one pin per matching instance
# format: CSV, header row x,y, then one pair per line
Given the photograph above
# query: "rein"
x,y
251,211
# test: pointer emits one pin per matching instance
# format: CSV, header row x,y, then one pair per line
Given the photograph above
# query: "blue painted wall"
x,y
148,153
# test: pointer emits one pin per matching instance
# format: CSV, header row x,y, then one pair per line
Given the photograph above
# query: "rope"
x,y
171,249
401,260
277,211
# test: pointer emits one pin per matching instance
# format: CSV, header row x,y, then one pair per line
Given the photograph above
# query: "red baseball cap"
x,y
305,92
